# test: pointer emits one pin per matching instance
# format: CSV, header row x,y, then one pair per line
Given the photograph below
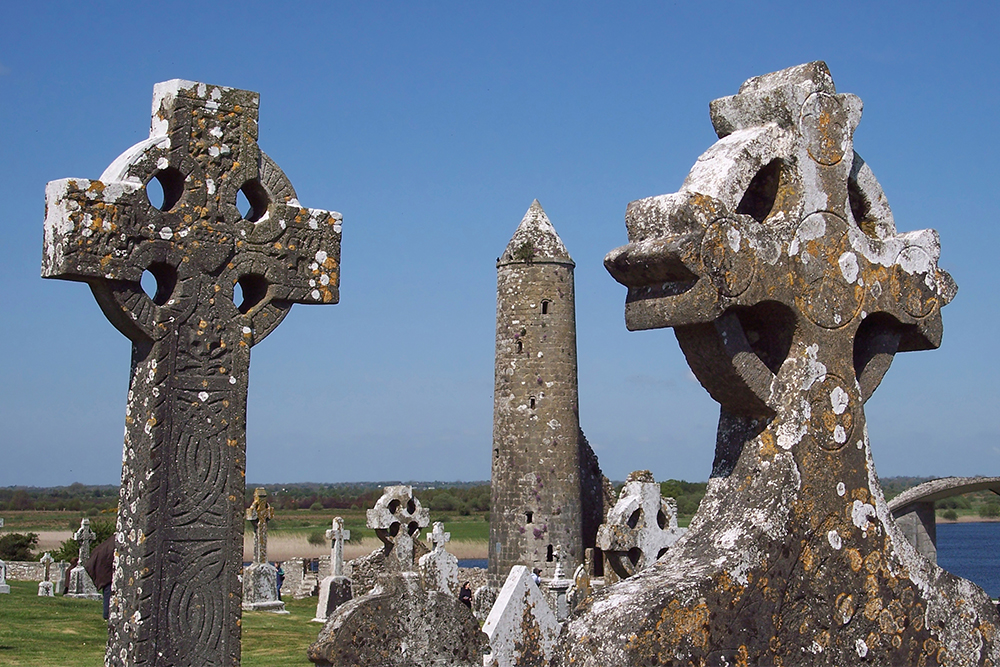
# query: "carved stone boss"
x,y
179,534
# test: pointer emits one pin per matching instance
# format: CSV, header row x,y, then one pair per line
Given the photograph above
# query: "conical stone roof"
x,y
535,240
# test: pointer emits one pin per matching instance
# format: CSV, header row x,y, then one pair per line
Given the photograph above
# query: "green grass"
x,y
71,633
475,526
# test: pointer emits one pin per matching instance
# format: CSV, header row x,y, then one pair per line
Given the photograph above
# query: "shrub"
x,y
951,515
18,546
316,506
316,537
989,511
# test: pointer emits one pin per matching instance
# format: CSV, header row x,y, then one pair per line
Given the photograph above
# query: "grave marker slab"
x,y
334,590
522,629
80,583
179,533
260,580
439,569
45,586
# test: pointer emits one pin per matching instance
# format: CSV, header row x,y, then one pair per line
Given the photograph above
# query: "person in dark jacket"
x,y
465,595
100,568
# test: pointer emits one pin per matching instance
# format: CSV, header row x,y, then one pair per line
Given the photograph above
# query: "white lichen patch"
x,y
849,266
841,489
833,537
862,514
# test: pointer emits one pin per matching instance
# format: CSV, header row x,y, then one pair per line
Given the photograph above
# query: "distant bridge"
x,y
913,509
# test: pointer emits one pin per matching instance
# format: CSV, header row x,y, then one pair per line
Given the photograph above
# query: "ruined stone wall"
x,y
536,487
26,570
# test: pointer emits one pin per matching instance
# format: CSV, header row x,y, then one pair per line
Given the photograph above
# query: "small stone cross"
x,y
338,535
259,513
397,519
438,538
225,278
84,536
640,527
47,561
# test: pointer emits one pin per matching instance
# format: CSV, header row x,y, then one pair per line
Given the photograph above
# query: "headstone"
x,y
559,586
80,583
580,589
260,580
180,524
397,519
640,527
400,625
334,590
439,569
521,627
4,586
789,289
45,586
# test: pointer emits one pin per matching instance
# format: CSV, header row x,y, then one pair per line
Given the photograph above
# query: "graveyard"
x,y
681,383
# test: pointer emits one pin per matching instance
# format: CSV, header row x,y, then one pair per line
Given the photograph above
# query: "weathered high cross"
x,y
180,525
397,518
259,514
779,267
338,535
438,537
84,536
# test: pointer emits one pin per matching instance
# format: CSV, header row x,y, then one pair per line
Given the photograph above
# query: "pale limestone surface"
x,y
439,569
521,627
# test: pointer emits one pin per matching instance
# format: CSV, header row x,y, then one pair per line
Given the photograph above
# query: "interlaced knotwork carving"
x,y
179,537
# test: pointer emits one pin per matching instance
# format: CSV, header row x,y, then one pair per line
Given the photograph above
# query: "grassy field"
x,y
43,632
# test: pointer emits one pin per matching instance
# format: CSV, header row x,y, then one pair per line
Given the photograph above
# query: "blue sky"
x,y
431,127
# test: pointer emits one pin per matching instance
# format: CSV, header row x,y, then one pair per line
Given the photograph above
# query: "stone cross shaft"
x,y
225,278
397,519
338,534
84,536
47,561
259,514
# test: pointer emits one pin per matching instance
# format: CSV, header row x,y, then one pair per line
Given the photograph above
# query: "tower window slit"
x,y
527,517
545,307
519,346
548,554
531,403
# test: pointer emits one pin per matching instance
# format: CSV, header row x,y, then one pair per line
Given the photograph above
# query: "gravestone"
x,y
260,580
397,519
559,586
439,569
334,590
80,583
522,629
225,278
779,267
4,586
640,527
45,586
400,625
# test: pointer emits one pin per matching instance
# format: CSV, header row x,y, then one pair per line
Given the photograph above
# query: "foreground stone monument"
x,y
334,590
260,580
397,519
789,290
640,527
4,586
225,278
80,583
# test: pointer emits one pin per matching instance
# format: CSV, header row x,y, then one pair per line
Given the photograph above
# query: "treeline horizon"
x,y
456,496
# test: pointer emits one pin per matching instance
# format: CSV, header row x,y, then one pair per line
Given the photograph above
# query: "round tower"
x,y
536,508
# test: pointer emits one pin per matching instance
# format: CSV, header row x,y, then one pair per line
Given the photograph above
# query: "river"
x,y
972,551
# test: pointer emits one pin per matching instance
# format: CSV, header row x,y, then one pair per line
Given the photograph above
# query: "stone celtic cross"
x,y
438,538
225,278
780,269
47,561
84,536
397,519
640,527
259,514
338,535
